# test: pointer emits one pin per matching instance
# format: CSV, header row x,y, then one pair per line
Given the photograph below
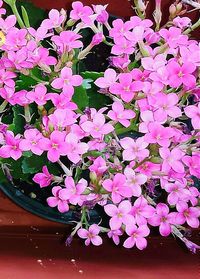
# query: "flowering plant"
x,y
126,139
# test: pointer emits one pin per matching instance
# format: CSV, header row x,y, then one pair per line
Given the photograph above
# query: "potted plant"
x,y
114,151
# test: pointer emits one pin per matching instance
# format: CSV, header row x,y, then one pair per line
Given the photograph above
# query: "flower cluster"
x,y
137,155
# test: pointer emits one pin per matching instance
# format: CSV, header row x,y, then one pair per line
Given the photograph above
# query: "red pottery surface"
x,y
32,248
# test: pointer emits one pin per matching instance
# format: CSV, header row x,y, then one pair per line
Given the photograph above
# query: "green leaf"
x,y
92,75
26,82
80,97
25,16
18,123
33,164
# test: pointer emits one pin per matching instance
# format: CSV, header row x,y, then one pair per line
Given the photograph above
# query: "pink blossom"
x,y
172,159
57,201
97,127
80,12
120,29
67,81
102,15
179,75
74,148
120,62
166,106
62,118
193,162
148,168
159,134
187,214
97,39
134,148
67,40
122,46
142,211
98,166
163,219
135,180
110,76
2,11
91,235
6,78
73,193
54,21
174,37
11,147
31,141
177,192
15,39
39,34
117,187
38,95
61,101
55,145
119,215
126,87
136,236
7,94
193,112
114,234
181,22
8,23
121,115
153,64
19,59
43,178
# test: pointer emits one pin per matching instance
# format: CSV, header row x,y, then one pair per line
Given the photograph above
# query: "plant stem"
x,y
12,4
192,28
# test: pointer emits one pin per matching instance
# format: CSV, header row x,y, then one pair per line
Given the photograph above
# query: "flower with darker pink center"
x,y
135,180
55,145
43,178
141,211
163,219
67,41
120,114
187,214
31,141
193,163
91,235
126,87
97,127
11,147
172,159
177,192
117,187
136,236
119,214
193,112
57,201
67,81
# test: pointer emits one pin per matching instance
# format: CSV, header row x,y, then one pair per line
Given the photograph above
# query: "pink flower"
x,y
55,146
38,95
54,21
148,168
179,75
134,149
80,12
102,15
159,134
91,235
67,81
181,22
135,181
11,147
163,219
74,148
114,234
193,112
97,127
43,178
67,40
117,187
174,37
142,211
119,215
31,141
73,193
62,118
15,39
8,23
61,101
187,214
98,166
193,162
126,87
110,76
171,159
136,236
166,106
121,115
122,46
57,201
120,29
6,78
177,192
